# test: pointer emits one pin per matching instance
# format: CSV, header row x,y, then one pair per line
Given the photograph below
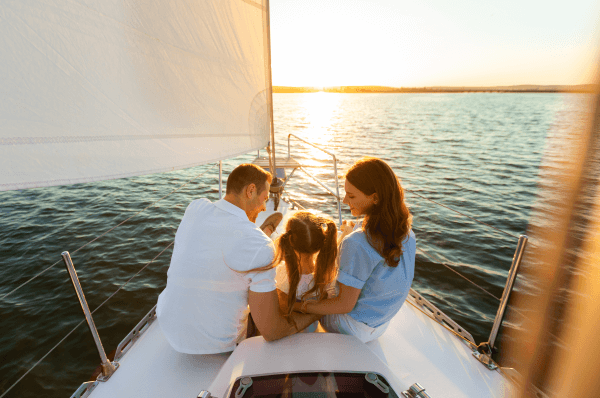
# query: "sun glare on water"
x,y
320,112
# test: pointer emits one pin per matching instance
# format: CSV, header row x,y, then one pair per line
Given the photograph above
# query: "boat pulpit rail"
x,y
291,163
484,351
483,354
108,368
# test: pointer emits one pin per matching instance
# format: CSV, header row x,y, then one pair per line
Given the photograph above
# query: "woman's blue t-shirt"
x,y
383,289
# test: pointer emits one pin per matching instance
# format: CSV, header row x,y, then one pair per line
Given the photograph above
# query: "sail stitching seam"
x,y
76,139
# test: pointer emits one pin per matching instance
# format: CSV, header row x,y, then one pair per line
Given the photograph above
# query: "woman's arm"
x,y
342,304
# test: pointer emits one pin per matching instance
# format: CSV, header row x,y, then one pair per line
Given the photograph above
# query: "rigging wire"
x,y
457,273
296,203
42,358
451,209
80,323
462,214
98,237
147,264
435,262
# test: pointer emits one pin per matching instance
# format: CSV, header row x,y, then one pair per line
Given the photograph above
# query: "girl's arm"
x,y
342,304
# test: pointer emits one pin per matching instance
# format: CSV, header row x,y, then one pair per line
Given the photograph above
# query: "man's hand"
x,y
342,304
269,320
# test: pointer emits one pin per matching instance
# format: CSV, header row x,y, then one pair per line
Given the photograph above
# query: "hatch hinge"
x,y
415,391
373,379
245,384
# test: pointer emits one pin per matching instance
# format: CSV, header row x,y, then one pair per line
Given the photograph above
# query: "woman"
x,y
376,260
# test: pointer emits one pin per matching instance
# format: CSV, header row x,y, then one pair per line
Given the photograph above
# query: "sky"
x,y
417,43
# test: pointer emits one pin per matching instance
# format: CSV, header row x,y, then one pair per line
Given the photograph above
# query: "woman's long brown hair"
x,y
387,222
308,234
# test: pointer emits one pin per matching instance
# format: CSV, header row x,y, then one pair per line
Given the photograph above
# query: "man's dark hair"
x,y
246,174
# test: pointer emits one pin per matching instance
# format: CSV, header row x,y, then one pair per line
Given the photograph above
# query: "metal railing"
x,y
106,365
336,194
485,350
220,179
510,282
484,357
108,368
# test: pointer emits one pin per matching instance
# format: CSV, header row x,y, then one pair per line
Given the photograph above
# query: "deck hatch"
x,y
314,385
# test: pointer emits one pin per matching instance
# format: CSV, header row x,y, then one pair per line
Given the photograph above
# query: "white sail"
x,y
102,89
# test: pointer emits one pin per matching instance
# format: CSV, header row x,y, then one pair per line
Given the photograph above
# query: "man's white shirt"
x,y
204,308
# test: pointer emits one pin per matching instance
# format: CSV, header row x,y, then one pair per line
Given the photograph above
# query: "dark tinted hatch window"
x,y
313,385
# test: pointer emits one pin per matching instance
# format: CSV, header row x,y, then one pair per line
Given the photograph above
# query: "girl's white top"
x,y
306,283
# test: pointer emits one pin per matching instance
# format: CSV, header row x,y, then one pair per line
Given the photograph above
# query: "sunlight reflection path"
x,y
319,111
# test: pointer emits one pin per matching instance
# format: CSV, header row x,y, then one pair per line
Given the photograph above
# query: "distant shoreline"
x,y
582,88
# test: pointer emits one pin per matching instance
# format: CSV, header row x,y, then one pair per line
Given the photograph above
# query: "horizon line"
x,y
579,88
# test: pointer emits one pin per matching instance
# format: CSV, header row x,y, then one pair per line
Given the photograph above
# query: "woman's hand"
x,y
342,304
346,228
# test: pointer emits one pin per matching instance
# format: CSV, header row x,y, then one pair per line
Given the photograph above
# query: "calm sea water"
x,y
476,153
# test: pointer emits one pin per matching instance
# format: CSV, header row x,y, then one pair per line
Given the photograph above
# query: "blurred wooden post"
x,y
572,371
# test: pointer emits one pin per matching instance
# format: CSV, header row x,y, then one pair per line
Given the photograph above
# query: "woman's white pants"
x,y
345,324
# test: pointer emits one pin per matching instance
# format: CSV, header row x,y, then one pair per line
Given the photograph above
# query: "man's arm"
x,y
269,320
283,301
342,304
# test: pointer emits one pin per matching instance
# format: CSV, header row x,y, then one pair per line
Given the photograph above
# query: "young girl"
x,y
308,250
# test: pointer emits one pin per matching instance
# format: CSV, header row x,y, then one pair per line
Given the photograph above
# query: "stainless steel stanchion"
x,y
108,368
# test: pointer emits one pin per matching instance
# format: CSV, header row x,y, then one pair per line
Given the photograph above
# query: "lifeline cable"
x,y
455,211
80,323
462,214
98,237
458,273
464,277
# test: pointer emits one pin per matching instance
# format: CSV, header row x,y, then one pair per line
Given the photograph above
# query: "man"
x,y
213,275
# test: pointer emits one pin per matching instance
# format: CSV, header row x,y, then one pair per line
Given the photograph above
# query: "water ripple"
x,y
478,153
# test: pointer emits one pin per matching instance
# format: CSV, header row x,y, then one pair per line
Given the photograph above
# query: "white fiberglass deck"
x,y
414,349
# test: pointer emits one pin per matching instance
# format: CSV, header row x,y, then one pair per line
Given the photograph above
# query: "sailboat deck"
x,y
415,349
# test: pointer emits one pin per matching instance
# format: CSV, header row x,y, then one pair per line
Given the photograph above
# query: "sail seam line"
x,y
75,139
48,183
